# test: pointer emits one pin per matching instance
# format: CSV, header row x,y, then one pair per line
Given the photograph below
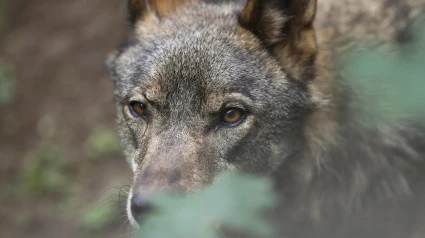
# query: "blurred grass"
x,y
7,77
45,170
45,167
100,214
7,83
3,14
94,219
103,141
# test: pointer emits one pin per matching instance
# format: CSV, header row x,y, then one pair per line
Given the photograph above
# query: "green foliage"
x,y
95,219
3,13
108,210
7,83
390,85
234,201
44,170
103,141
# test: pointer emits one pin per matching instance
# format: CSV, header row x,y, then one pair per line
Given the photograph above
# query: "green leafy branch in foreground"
x,y
234,200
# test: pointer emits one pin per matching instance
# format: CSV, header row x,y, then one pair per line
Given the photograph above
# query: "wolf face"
x,y
203,88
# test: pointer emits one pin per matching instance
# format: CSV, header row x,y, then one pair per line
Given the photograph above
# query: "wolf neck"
x,y
361,172
346,167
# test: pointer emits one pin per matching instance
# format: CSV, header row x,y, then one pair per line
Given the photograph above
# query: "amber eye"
x,y
232,116
137,109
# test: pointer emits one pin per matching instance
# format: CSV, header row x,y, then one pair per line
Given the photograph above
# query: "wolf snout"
x,y
140,206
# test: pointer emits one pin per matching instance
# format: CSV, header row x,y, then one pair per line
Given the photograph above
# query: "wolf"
x,y
205,86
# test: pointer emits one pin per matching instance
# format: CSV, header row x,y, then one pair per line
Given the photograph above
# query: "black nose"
x,y
140,206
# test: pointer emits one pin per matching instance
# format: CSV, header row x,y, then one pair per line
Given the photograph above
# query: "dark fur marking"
x,y
174,176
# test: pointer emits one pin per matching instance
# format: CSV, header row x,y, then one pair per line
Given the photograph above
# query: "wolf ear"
x,y
138,8
286,28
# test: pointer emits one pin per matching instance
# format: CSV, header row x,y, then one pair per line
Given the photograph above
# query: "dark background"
x,y
58,148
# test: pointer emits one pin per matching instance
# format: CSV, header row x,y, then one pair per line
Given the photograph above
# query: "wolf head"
x,y
205,87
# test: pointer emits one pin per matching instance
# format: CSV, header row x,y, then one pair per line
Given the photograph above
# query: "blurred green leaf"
x,y
7,83
95,219
103,141
44,170
234,201
104,212
390,85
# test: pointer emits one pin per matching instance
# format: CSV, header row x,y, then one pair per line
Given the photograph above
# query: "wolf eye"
x,y
137,109
232,116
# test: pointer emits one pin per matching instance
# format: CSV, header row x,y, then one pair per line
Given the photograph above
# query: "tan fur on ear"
x,y
161,8
265,20
285,27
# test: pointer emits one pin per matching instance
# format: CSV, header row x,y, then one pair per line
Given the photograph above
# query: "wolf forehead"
x,y
200,63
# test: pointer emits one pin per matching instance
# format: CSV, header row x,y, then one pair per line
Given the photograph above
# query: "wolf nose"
x,y
140,205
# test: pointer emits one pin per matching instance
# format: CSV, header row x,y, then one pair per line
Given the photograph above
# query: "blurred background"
x,y
61,167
